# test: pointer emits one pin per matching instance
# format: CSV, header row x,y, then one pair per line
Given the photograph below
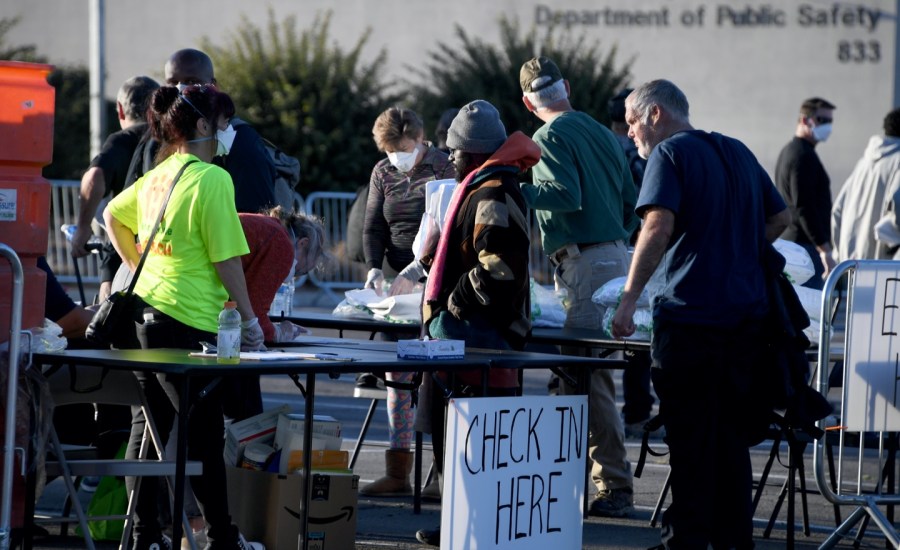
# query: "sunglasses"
x,y
822,119
183,90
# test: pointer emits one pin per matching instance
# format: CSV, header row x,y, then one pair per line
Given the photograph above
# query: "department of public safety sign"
x,y
514,472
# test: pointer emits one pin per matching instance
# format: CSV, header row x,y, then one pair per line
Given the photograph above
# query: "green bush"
x,y
307,96
469,69
72,123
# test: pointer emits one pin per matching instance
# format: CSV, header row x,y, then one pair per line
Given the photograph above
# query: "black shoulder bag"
x,y
113,324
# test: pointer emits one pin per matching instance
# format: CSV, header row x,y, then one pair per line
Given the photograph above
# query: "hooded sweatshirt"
x,y
480,266
864,199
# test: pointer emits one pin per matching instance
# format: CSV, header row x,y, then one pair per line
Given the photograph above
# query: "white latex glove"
x,y
374,280
252,335
407,279
286,331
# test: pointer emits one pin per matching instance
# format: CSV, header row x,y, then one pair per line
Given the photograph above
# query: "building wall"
x,y
745,66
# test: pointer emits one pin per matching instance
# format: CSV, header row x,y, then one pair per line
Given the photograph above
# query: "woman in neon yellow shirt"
x,y
193,267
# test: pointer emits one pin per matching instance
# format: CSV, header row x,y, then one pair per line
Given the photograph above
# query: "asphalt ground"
x,y
392,523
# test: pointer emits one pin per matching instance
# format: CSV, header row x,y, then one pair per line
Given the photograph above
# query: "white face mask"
x,y
404,161
225,140
821,133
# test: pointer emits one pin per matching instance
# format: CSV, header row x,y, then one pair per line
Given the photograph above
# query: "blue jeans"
x,y
701,375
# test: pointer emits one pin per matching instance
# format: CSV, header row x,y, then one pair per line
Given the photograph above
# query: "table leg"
x,y
307,459
180,459
417,476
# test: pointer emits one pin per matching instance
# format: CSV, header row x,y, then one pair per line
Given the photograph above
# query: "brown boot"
x,y
398,464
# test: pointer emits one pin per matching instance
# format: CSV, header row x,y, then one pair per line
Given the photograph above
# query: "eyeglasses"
x,y
823,119
202,88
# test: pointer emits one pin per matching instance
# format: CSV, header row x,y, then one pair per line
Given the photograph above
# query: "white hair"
x,y
662,93
545,97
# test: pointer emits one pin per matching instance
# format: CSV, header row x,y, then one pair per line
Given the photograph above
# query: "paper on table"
x,y
278,356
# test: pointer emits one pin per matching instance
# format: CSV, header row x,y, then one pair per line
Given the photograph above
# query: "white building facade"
x,y
745,66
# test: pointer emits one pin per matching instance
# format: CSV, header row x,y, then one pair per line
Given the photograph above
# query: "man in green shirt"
x,y
583,196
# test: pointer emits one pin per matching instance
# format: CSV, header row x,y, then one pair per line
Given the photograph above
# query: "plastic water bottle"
x,y
283,302
68,230
228,344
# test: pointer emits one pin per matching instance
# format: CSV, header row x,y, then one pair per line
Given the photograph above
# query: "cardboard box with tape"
x,y
266,506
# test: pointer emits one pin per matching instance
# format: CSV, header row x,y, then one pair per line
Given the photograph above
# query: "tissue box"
x,y
431,349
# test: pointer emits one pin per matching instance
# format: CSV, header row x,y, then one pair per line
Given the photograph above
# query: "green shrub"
x,y
307,96
469,69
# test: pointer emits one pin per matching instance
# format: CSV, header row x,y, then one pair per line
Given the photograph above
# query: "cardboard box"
x,y
290,425
321,460
256,429
326,436
266,508
431,350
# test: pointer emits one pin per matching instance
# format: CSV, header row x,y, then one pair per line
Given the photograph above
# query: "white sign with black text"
x,y
514,472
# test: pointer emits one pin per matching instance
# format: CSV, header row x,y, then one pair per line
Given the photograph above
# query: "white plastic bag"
x,y
643,323
437,199
608,295
799,266
811,300
547,309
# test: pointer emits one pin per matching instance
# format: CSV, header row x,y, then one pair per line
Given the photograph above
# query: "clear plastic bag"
x,y
643,323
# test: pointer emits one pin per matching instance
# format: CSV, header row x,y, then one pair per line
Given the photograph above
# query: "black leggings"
x,y
205,428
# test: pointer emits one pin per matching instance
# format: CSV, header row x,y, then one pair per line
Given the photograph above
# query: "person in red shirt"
x,y
282,245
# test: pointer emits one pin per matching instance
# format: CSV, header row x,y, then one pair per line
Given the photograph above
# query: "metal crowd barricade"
x,y
342,274
867,418
9,439
64,209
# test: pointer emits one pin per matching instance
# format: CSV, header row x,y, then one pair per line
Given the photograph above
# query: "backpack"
x,y
355,222
141,159
287,174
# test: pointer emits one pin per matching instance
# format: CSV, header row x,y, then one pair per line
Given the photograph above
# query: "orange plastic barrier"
x,y
26,146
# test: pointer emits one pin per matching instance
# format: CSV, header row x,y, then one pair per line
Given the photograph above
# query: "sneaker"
x,y
431,537
161,543
200,540
432,491
366,380
636,431
612,503
244,545
553,385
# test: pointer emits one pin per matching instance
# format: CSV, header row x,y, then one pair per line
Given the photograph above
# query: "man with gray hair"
x,y
478,280
709,212
583,196
106,175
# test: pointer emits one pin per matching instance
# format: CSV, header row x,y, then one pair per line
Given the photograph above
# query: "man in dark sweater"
x,y
478,279
803,183
106,175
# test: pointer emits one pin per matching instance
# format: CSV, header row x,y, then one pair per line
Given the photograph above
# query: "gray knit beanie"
x,y
476,129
